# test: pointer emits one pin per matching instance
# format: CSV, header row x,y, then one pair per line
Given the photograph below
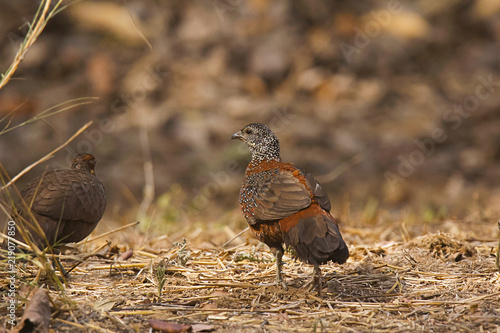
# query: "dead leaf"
x,y
27,291
112,18
188,303
203,328
36,317
169,327
407,25
126,255
104,305
146,301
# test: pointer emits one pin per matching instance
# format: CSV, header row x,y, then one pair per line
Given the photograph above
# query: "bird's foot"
x,y
278,253
281,283
310,284
315,282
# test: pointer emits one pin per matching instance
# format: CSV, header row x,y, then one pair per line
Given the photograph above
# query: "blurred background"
x,y
392,106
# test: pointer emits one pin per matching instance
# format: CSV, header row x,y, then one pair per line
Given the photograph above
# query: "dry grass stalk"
x,y
46,157
106,234
42,17
56,109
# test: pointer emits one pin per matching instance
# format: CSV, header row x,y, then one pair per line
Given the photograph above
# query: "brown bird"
x,y
67,204
284,204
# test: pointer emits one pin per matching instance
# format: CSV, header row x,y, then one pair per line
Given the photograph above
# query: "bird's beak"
x,y
237,135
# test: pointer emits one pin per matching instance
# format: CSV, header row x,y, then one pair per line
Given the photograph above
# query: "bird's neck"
x,y
256,166
267,152
84,168
259,158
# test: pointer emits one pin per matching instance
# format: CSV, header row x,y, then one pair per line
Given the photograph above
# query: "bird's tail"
x,y
314,235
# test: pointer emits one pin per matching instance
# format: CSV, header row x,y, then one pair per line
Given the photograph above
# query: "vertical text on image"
x,y
11,259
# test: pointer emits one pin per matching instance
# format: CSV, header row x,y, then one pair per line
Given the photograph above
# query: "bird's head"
x,y
262,142
84,162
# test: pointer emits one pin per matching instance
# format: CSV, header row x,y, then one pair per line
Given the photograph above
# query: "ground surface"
x,y
436,282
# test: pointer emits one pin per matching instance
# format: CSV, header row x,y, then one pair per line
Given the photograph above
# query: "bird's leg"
x,y
57,264
317,278
61,268
279,264
278,253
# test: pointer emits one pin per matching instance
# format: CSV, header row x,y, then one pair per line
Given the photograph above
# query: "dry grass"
x,y
46,10
433,283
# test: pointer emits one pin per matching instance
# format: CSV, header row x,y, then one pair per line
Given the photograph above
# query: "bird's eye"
x,y
248,131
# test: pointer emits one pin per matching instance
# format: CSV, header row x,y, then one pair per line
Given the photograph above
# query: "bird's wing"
x,y
67,195
275,195
320,195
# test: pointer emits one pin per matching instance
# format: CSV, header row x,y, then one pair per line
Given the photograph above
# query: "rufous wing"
x,y
283,196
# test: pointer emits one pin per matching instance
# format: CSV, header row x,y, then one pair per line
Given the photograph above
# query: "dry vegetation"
x,y
433,283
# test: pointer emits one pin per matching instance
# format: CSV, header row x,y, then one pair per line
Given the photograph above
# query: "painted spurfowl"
x,y
67,204
284,204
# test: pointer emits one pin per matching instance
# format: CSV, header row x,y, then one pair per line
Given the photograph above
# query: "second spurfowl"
x,y
67,204
283,204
